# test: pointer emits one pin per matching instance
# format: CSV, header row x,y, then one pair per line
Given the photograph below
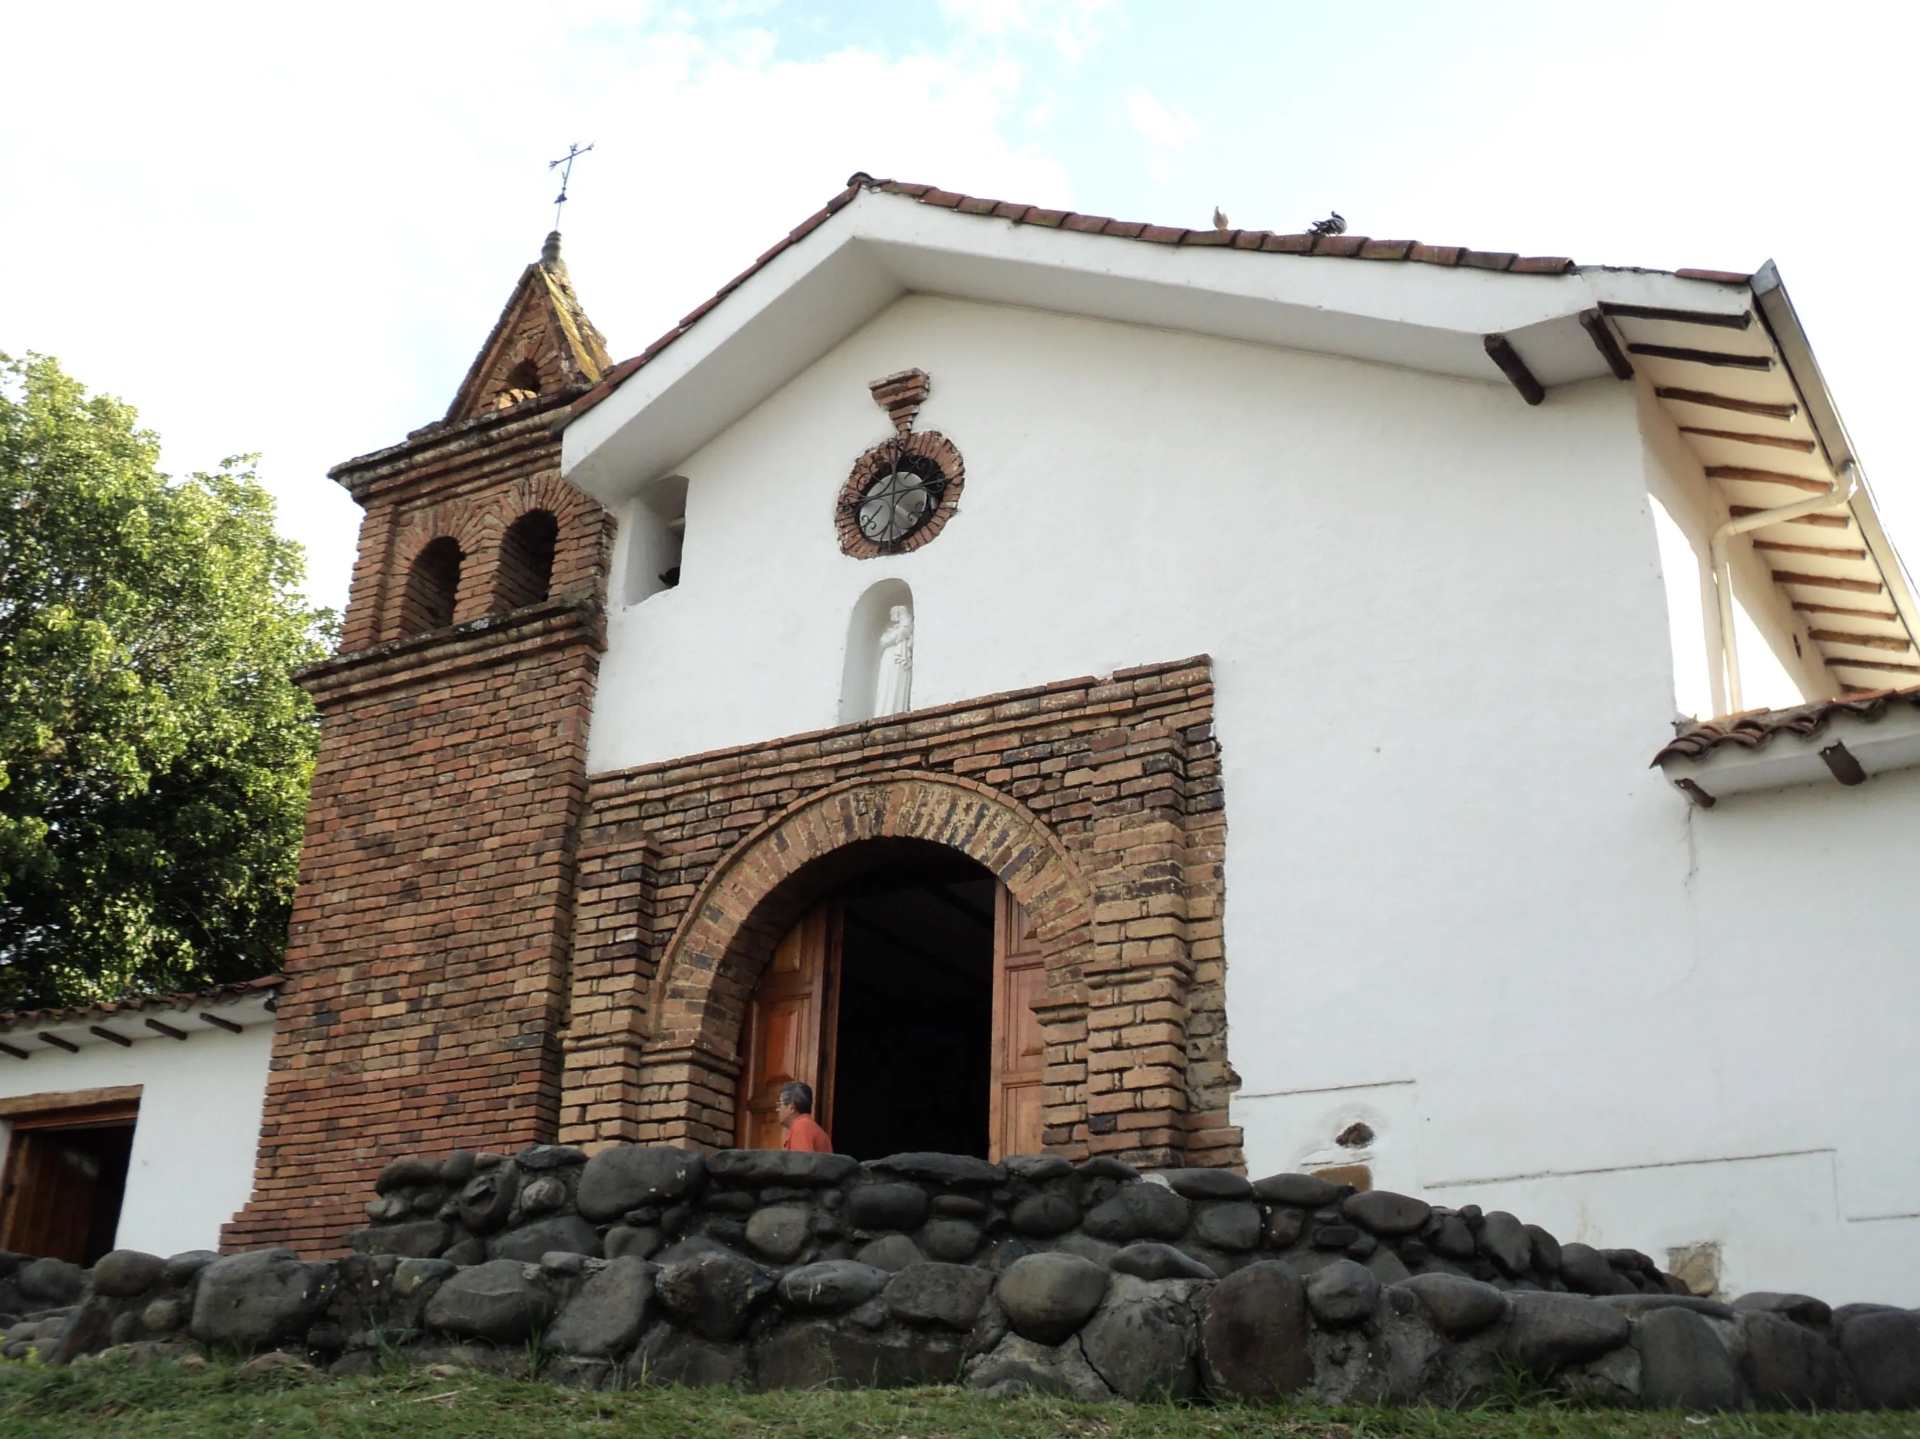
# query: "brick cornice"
x,y
426,661
529,422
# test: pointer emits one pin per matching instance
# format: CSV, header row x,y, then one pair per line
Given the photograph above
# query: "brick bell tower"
x,y
427,954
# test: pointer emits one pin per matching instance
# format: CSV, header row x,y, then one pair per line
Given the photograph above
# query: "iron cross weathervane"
x,y
565,166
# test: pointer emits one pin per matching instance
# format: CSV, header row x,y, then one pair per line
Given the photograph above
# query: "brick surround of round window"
x,y
929,446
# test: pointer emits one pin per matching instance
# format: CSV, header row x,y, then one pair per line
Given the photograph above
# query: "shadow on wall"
x,y
867,632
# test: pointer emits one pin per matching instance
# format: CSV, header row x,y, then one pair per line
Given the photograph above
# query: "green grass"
x,y
163,1402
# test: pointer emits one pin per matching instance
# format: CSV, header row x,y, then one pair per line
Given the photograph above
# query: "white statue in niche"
x,y
893,684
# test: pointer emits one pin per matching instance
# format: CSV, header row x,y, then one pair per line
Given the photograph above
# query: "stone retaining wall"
x,y
772,1270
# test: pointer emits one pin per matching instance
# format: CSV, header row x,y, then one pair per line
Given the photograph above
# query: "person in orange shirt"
x,y
796,1118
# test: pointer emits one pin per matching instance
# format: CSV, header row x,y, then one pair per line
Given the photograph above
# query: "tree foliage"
x,y
155,754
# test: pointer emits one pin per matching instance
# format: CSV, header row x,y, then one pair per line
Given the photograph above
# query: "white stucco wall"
x,y
197,1133
1458,900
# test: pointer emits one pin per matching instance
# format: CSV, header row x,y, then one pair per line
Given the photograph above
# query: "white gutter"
x,y
1837,494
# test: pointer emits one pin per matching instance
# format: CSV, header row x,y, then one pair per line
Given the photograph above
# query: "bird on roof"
x,y
1334,224
1220,220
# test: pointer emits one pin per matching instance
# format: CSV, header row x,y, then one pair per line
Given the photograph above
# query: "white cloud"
x,y
1166,129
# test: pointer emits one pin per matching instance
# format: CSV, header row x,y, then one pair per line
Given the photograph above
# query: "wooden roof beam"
x,y
1807,607
1678,317
1829,582
1745,437
1703,357
1501,351
1727,402
1874,642
1595,324
1767,477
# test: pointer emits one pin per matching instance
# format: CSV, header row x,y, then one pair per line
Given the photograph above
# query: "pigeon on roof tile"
x,y
1334,224
1220,220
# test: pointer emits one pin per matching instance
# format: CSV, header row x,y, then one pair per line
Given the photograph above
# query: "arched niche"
x,y
860,670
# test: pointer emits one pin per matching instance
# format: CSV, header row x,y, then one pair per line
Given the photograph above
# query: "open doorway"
x,y
902,998
66,1174
912,1053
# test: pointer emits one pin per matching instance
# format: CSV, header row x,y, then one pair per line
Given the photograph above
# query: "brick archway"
x,y
1098,802
689,1060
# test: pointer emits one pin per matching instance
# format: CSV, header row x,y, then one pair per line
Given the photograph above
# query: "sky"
x,y
287,229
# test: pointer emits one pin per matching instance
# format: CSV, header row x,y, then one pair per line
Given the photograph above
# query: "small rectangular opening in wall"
x,y
65,1177
656,527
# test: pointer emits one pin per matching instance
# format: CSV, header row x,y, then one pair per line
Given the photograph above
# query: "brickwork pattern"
x,y
428,950
1097,802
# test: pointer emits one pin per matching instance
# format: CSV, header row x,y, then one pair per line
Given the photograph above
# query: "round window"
x,y
894,506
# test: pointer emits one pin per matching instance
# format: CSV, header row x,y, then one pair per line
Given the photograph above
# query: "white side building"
x,y
132,1125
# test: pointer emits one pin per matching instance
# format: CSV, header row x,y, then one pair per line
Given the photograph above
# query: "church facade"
x,y
1188,696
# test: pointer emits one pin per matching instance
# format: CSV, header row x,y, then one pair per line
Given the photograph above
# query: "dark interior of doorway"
x,y
65,1186
913,1050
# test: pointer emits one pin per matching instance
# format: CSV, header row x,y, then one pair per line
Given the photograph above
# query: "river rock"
x,y
1208,1184
626,1241
1683,1365
1141,1341
257,1300
406,1174
50,1282
1139,1211
1042,1216
566,1233
1048,1296
1503,1239
1552,1331
953,1240
608,1313
1020,1366
1585,1270
491,1302
124,1273
538,1157
758,1168
949,1294
831,1286
1234,1227
714,1294
1459,1307
780,1232
820,1355
616,1180
1787,1366
891,1252
1800,1308
1546,1249
1037,1168
1253,1338
886,1206
1343,1293
1151,1260
417,1239
959,1171
1883,1351
1297,1191
488,1198
1382,1212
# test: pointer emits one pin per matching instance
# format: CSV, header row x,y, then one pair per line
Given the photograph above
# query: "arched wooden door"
x,y
1019,1046
793,1024
790,1026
